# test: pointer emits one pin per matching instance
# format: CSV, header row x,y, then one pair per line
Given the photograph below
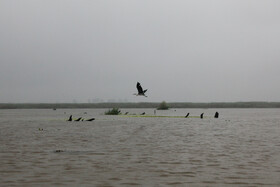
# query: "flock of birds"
x,y
141,92
80,119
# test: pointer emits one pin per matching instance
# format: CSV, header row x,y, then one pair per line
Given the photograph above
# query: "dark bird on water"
x,y
201,115
216,115
70,118
141,92
78,119
91,119
187,115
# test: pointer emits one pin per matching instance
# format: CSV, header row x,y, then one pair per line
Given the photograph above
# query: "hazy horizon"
x,y
181,51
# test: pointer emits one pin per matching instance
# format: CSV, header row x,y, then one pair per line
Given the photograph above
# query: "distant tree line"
x,y
140,105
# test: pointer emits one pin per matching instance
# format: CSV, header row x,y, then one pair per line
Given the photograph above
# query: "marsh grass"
x,y
163,106
114,111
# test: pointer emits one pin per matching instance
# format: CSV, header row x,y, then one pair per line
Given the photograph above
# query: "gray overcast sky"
x,y
181,50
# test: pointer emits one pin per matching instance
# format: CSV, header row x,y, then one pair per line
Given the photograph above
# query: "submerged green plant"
x,y
114,111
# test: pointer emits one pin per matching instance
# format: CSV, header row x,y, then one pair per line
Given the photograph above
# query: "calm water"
x,y
241,148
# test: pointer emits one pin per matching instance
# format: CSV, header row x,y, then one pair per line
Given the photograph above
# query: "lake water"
x,y
40,148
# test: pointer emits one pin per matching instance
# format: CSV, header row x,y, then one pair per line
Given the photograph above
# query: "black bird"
x,y
216,115
187,115
91,119
141,92
70,118
78,119
201,115
143,113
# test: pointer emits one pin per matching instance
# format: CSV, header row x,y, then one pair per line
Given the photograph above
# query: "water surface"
x,y
40,148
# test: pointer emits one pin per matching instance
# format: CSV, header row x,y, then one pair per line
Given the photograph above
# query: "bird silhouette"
x,y
91,119
141,92
216,115
201,115
78,119
70,118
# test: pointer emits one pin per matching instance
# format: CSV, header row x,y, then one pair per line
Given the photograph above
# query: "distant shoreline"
x,y
140,105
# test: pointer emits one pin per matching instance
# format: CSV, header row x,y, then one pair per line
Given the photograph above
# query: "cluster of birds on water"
x,y
141,92
80,119
201,115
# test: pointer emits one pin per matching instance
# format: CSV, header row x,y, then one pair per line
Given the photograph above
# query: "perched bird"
x,y
91,119
141,92
143,113
216,115
78,119
201,115
187,115
70,118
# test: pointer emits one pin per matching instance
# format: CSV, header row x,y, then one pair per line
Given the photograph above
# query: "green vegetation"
x,y
163,106
114,111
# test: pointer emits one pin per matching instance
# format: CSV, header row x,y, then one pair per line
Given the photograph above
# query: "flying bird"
x,y
141,92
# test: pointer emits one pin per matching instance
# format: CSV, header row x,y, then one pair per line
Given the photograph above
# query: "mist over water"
x,y
39,147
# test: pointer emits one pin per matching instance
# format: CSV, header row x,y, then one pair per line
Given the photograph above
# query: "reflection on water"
x,y
39,147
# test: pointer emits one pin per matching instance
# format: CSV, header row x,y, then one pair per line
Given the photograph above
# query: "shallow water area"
x,y
39,147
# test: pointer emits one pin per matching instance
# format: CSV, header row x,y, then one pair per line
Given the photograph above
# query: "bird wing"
x,y
139,88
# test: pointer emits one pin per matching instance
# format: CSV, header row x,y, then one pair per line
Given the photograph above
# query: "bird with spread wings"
x,y
141,92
